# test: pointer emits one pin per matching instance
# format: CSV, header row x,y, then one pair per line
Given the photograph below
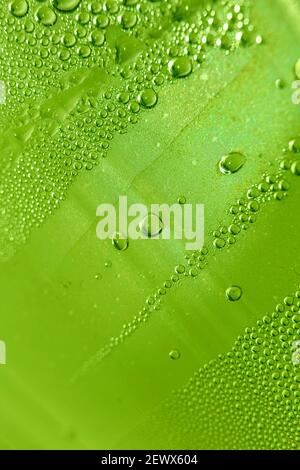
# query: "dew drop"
x,y
295,168
180,67
120,242
19,8
180,269
69,40
128,19
234,293
97,38
151,225
174,354
181,200
46,16
279,83
65,5
148,98
219,243
232,163
294,145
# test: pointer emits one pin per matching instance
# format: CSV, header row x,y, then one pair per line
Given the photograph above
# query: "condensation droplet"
x,y
148,98
181,67
65,5
120,242
234,293
19,8
232,163
174,354
151,225
46,16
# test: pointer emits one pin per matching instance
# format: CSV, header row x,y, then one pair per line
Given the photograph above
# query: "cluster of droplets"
x,y
196,261
272,187
244,212
77,72
253,391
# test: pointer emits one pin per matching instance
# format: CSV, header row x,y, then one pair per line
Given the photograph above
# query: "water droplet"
x,y
120,242
84,51
234,229
181,67
232,162
294,145
97,38
128,19
181,200
180,269
297,69
65,5
174,354
102,21
151,225
19,8
46,16
253,206
219,243
69,40
279,83
295,168
148,98
234,293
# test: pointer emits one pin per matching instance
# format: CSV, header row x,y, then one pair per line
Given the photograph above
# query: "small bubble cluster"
x,y
253,392
78,72
243,213
273,186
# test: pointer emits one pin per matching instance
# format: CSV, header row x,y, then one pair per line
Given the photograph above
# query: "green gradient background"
x,y
55,315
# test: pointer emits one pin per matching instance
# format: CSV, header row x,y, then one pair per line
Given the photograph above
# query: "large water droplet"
x,y
46,16
19,8
148,98
232,162
65,5
234,293
151,225
119,242
128,19
295,168
180,67
294,145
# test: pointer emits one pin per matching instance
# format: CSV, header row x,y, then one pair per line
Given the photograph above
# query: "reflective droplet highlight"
x,y
151,226
174,354
120,242
65,5
232,162
148,98
181,67
19,8
234,293
46,16
295,168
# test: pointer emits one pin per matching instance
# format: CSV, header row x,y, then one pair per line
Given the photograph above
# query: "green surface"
x,y
65,294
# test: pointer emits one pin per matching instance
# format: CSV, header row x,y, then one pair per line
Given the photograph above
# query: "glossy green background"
x,y
55,315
